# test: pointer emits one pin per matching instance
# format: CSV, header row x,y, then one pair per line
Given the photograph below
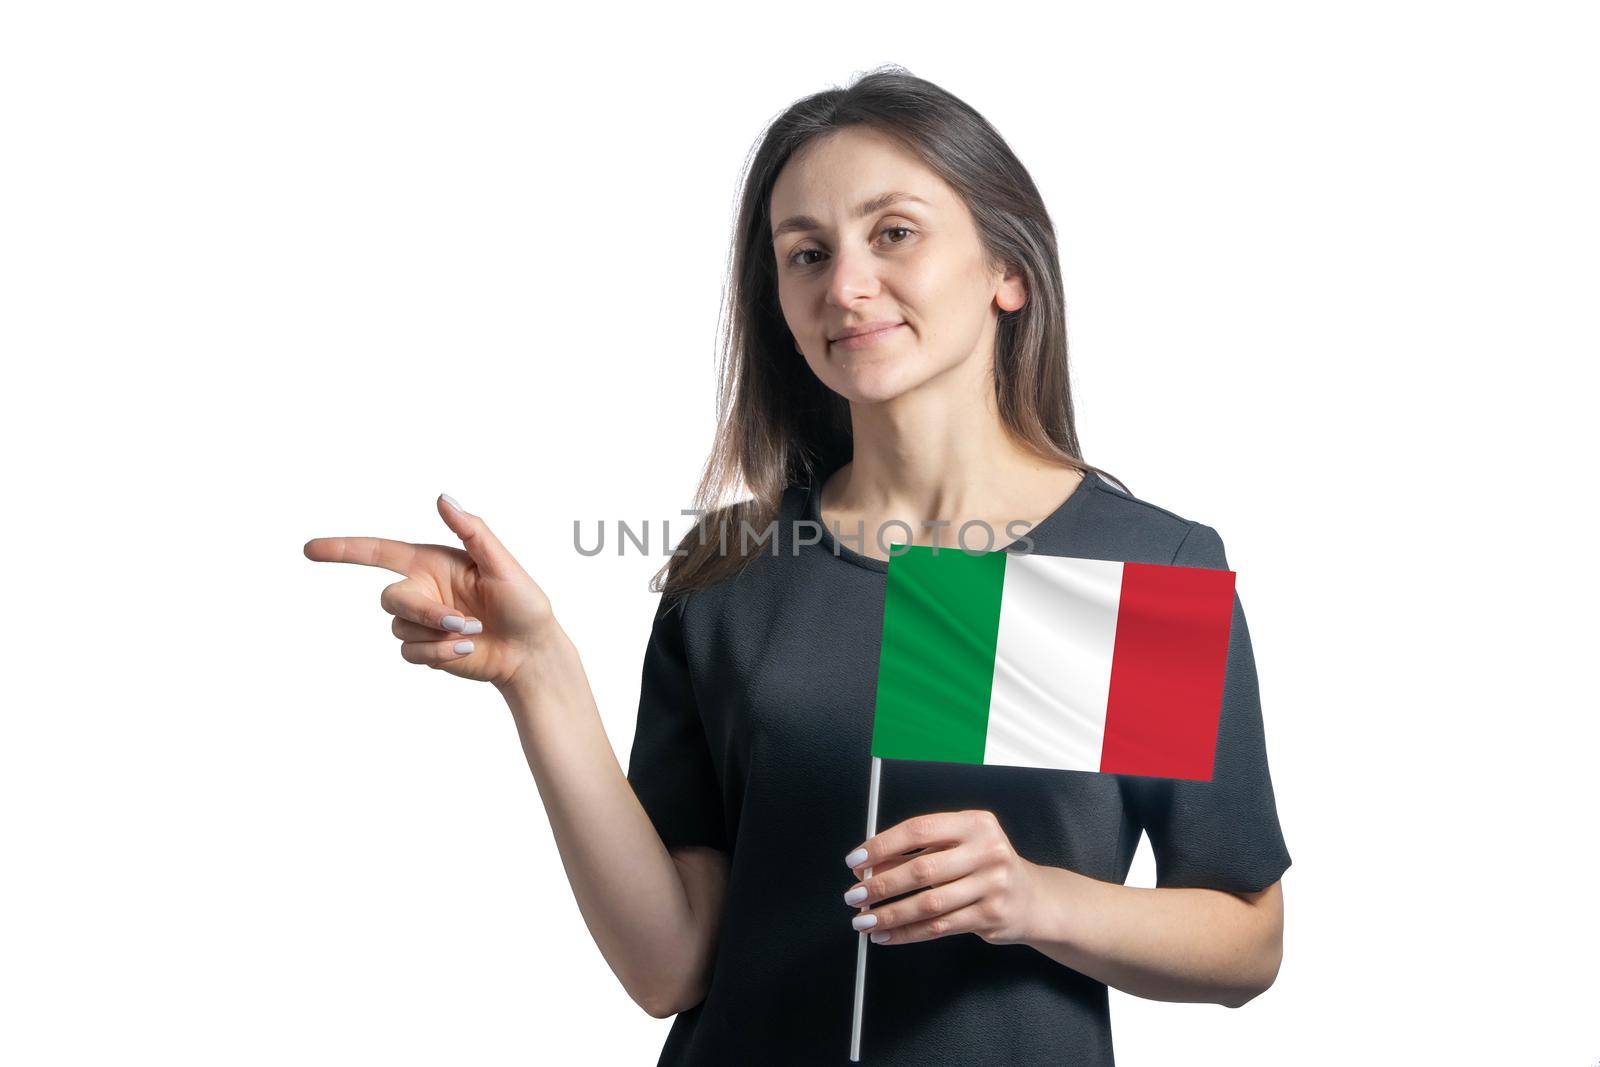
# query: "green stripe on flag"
x,y
941,615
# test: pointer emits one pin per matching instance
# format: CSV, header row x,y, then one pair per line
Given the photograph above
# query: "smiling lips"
x,y
868,334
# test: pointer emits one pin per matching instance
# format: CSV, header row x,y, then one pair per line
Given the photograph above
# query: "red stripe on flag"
x,y
1167,669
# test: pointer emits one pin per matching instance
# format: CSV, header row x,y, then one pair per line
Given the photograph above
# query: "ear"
x,y
1012,293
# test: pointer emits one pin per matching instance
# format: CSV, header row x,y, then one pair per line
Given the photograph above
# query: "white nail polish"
x,y
452,623
864,922
856,858
448,499
473,627
463,647
856,895
879,937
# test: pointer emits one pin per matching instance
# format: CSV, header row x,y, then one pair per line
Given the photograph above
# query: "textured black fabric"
x,y
754,736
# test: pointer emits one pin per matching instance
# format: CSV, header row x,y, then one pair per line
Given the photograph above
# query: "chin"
x,y
873,385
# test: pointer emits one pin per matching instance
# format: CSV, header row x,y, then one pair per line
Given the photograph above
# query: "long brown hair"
x,y
777,424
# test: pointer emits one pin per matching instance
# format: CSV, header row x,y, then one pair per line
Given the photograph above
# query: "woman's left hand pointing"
x,y
971,881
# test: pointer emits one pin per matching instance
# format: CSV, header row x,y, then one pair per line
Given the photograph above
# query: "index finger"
x,y
397,556
919,831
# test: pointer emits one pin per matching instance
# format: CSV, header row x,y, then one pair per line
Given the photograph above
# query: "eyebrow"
x,y
867,207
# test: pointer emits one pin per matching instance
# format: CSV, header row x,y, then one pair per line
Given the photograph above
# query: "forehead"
x,y
833,174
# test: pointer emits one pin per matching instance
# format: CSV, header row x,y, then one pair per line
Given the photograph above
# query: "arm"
x,y
1172,943
653,913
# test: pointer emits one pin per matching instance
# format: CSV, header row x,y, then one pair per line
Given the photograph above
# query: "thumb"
x,y
480,542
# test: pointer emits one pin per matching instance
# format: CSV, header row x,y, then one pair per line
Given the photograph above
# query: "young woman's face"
x,y
913,266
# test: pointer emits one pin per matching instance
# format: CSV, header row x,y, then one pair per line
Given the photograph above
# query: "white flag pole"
x,y
861,943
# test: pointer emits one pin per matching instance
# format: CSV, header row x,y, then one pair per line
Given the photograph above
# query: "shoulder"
x,y
1116,524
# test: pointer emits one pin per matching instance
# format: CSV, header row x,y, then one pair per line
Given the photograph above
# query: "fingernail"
x,y
856,895
856,858
448,499
473,627
878,938
463,647
452,623
864,922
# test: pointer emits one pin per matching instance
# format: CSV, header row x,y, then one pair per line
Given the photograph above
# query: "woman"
x,y
896,354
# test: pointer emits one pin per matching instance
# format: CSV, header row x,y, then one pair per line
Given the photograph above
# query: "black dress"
x,y
753,736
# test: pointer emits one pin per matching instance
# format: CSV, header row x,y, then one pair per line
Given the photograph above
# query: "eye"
x,y
795,261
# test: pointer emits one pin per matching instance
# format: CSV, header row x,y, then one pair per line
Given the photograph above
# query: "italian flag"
x,y
1029,660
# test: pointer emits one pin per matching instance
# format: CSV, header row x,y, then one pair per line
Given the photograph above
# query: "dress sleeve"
x,y
1222,834
670,767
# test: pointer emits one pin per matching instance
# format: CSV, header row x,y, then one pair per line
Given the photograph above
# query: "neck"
x,y
938,450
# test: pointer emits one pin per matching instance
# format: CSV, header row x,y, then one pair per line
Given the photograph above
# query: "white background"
x,y
279,271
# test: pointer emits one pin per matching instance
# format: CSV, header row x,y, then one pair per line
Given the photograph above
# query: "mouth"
x,y
871,334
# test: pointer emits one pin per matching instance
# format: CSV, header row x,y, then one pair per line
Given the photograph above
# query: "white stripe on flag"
x,y
1052,664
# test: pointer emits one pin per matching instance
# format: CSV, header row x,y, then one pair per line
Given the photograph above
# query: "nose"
x,y
853,276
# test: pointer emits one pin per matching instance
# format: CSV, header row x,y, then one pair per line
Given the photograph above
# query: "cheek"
x,y
932,295
951,301
797,308
786,305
